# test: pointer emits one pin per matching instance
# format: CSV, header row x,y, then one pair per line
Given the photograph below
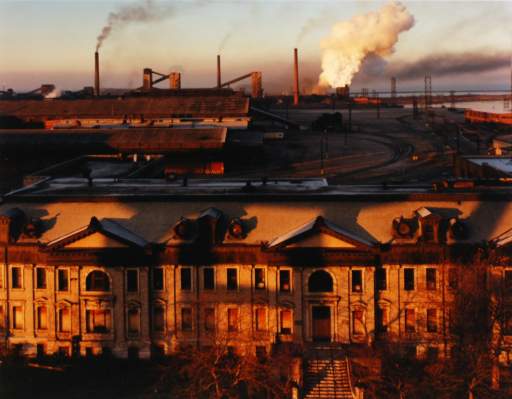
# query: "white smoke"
x,y
350,42
55,93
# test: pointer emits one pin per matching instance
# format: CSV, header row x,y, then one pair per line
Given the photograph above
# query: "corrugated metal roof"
x,y
150,107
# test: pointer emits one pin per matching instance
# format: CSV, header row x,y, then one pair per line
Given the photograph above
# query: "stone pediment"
x,y
320,233
98,234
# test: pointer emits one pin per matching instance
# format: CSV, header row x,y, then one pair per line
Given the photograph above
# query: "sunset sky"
x,y
53,42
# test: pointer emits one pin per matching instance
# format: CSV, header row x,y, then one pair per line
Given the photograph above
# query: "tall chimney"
x,y
96,74
295,77
147,79
175,80
218,72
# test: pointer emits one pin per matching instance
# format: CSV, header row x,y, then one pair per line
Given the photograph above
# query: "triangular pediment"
x,y
321,240
98,234
320,233
96,240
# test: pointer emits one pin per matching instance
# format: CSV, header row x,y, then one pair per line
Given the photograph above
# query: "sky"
x,y
462,43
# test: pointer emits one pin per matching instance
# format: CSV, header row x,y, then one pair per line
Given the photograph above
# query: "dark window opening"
x,y
158,318
508,281
208,278
40,278
132,280
431,279
259,278
16,277
62,280
357,281
382,319
408,279
320,281
158,279
284,281
186,279
381,279
186,319
410,320
209,319
97,281
432,320
232,279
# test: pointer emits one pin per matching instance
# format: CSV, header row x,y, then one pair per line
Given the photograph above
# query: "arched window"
x,y
97,281
320,281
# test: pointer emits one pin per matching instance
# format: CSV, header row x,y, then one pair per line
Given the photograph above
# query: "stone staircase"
x,y
327,375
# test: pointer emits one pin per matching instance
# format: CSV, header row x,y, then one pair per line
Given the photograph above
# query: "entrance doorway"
x,y
321,316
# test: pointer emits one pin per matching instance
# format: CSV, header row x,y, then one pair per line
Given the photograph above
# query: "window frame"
x,y
190,287
264,278
137,308
93,280
290,280
428,281
353,288
60,324
405,285
233,327
203,276
378,286
261,328
21,278
14,325
435,321
361,320
206,326
237,271
153,279
190,327
38,317
407,327
281,324
45,271
57,277
136,291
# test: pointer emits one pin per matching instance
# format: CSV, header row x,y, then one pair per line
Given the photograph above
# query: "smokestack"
x,y
295,77
257,88
175,80
218,72
147,79
96,74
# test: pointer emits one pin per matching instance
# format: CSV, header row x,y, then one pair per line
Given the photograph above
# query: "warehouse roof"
x,y
149,107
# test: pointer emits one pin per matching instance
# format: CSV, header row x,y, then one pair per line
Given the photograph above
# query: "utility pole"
x,y
393,90
322,152
428,95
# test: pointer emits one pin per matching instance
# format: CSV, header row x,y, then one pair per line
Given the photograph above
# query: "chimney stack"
x,y
175,80
295,77
147,79
96,74
218,72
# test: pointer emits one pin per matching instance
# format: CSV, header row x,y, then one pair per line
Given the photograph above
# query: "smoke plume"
x,y
447,64
351,42
145,12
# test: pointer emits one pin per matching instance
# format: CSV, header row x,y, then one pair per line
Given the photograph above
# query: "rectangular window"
x,y
381,279
186,278
259,278
431,279
409,279
410,320
16,277
17,317
132,280
1,278
97,320
40,278
42,318
453,278
286,321
186,319
232,279
382,319
357,281
208,278
233,319
62,280
133,320
285,281
64,320
158,279
357,322
261,319
209,319
432,320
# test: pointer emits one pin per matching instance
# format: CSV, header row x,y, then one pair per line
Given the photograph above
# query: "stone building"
x,y
137,268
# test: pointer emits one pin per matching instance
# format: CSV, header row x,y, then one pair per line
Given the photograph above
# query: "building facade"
x,y
143,278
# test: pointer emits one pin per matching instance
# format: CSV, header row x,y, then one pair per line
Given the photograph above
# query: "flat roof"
x,y
150,107
503,164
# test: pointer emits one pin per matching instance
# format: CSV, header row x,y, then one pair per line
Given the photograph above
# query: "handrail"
x,y
349,372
